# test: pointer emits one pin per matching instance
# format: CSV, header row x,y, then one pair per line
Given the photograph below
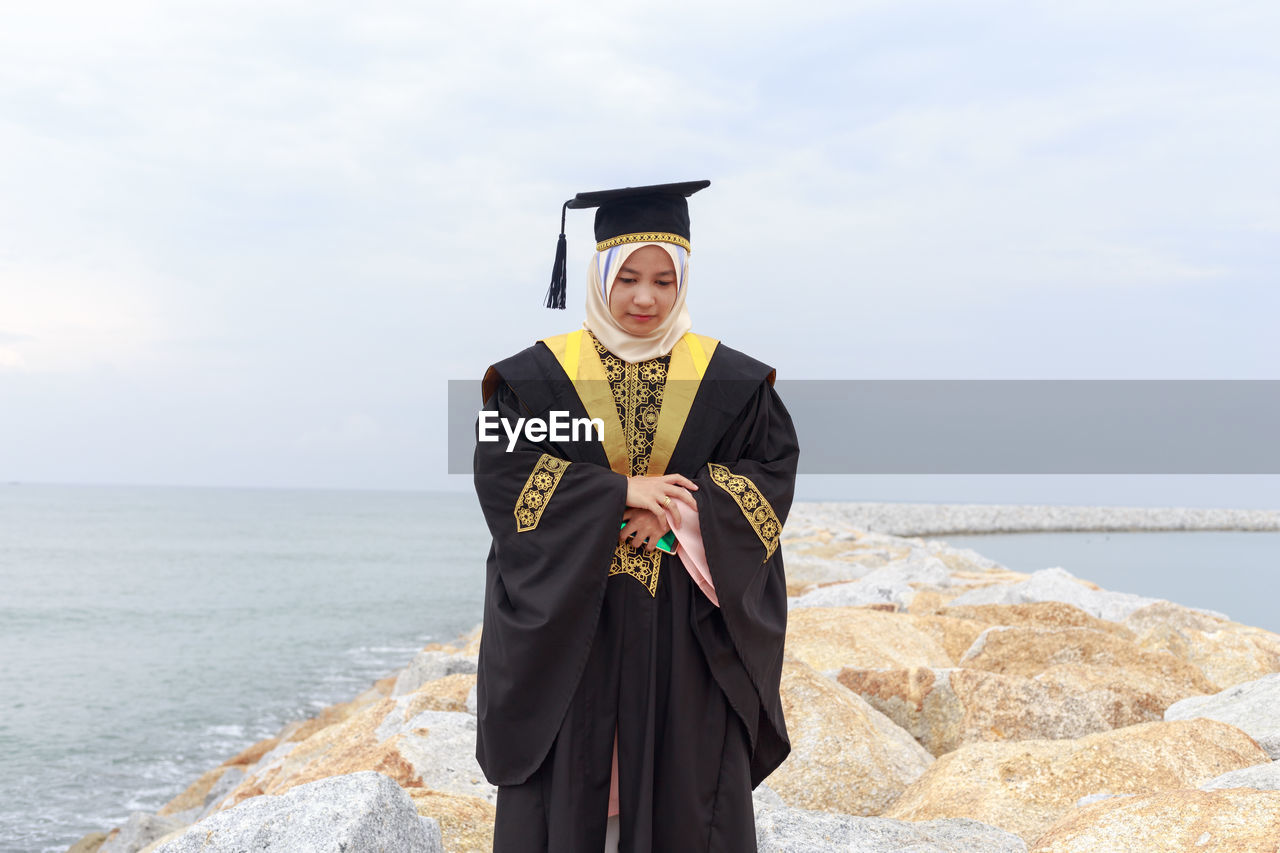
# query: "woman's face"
x,y
644,291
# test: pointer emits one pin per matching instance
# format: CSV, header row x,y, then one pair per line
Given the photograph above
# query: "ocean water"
x,y
147,634
1234,573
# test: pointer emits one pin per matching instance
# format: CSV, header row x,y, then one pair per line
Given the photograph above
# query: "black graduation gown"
x,y
570,653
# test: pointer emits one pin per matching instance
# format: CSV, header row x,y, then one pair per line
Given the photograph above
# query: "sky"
x,y
248,244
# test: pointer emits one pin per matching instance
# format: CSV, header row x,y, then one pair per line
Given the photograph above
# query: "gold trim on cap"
x,y
645,237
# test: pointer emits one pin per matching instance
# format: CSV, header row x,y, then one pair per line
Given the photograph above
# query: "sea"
x,y
149,633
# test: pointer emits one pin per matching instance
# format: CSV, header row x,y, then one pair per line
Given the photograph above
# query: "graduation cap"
x,y
657,213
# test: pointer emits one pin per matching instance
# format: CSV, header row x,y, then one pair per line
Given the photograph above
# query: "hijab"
x,y
602,271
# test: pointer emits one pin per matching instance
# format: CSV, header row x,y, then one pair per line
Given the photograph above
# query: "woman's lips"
x,y
642,318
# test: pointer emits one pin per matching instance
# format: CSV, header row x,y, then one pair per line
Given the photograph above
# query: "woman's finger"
x,y
681,480
683,496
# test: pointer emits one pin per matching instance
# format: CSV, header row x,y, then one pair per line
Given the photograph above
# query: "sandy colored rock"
x,y
198,790
1228,821
345,747
1036,614
846,756
1227,653
253,753
832,638
1026,786
442,694
469,643
945,708
466,823
334,714
89,843
1029,651
955,635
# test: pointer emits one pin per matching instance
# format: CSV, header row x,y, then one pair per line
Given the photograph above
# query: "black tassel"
x,y
559,270
555,293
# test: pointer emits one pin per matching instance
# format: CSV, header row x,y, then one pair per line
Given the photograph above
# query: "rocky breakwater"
x,y
936,701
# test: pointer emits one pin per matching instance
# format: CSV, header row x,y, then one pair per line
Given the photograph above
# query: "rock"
x,y
1030,651
1226,652
764,797
197,793
832,638
358,811
430,665
440,746
138,831
1025,786
845,755
466,823
1250,706
473,701
1057,584
1036,614
224,786
1230,821
442,694
944,708
1263,777
889,584
90,843
791,830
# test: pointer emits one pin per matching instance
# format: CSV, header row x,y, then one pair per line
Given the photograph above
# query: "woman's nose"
x,y
645,296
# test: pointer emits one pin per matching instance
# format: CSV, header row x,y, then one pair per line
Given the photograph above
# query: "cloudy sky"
x,y
247,243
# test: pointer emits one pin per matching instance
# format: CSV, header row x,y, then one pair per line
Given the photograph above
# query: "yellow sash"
x,y
581,363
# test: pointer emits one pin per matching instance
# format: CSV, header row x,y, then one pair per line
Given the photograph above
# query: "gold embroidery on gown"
x,y
637,393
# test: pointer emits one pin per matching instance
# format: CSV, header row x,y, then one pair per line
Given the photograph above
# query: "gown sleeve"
x,y
554,522
744,494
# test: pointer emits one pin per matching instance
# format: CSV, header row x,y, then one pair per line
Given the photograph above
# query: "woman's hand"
x,y
661,493
643,528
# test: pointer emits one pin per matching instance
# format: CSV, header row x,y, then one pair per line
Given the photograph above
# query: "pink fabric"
x,y
693,556
613,778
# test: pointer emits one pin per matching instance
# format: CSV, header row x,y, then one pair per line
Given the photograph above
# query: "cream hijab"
x,y
601,273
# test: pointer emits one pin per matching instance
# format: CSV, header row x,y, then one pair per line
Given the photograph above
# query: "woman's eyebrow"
x,y
637,272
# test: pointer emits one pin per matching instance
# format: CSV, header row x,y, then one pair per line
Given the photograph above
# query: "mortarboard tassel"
x,y
559,270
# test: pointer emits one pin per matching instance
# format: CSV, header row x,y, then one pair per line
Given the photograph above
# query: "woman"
x,y
625,695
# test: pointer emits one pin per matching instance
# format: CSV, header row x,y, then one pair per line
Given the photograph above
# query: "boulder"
x,y
944,708
790,830
832,638
1057,584
1036,614
440,746
429,665
1226,652
845,755
1030,651
1250,706
1025,786
1230,821
358,811
466,823
1263,777
138,831
894,583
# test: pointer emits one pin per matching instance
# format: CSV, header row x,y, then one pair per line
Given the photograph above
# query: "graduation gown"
x,y
585,639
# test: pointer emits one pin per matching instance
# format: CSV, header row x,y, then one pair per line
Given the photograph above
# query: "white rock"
x,y
430,665
1263,777
140,830
357,811
1251,707
1057,584
792,830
